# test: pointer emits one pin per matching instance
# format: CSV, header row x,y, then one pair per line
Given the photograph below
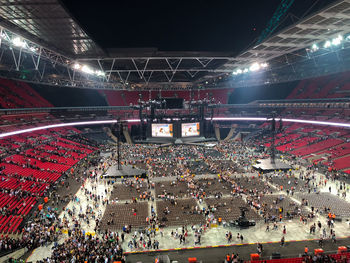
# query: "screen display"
x,y
162,130
190,129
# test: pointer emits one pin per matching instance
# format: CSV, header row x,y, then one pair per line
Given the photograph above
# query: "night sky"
x,y
216,25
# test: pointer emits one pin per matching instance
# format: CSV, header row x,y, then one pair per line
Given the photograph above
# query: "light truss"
x,y
43,65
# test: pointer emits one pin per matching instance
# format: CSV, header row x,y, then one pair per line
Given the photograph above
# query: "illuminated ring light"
x,y
328,123
6,134
336,124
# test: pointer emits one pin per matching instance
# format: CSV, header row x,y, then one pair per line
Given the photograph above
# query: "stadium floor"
x,y
216,255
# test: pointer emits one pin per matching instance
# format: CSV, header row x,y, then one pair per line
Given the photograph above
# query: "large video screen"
x,y
190,129
162,130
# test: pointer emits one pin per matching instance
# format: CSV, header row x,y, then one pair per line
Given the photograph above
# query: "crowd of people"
x,y
226,161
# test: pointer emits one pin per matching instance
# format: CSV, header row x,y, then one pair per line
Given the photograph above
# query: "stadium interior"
x,y
144,155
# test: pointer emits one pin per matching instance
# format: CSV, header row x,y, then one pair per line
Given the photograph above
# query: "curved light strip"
x,y
237,119
337,124
6,134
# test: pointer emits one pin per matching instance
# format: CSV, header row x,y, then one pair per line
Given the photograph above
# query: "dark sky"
x,y
216,25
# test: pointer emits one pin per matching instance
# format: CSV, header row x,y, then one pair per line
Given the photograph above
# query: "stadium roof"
x,y
42,43
47,22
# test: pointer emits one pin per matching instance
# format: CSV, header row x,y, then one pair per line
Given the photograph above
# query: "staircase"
x,y
217,133
127,135
110,134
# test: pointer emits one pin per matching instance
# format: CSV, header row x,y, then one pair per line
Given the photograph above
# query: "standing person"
x,y
241,237
282,241
320,242
334,240
284,230
229,237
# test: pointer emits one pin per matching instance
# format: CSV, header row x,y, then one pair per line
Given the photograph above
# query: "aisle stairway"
x,y
127,135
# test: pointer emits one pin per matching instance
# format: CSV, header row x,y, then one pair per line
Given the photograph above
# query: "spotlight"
x,y
18,42
264,65
87,70
76,66
327,44
254,67
100,73
314,47
336,41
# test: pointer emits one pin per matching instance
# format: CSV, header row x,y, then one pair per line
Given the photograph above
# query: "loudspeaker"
x,y
276,255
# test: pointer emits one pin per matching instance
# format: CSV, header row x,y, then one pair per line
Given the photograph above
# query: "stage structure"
x,y
174,121
272,164
122,170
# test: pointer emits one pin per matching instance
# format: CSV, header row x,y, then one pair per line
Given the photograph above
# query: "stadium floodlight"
x,y
237,72
18,42
245,70
336,41
327,44
76,66
264,65
33,49
314,47
87,69
100,73
254,67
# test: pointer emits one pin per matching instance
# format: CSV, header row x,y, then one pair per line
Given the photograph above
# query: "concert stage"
x,y
188,140
126,171
265,165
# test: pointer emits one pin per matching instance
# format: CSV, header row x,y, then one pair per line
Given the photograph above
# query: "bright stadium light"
x,y
314,47
264,65
245,70
18,42
76,66
237,72
100,73
254,67
337,41
87,69
327,44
